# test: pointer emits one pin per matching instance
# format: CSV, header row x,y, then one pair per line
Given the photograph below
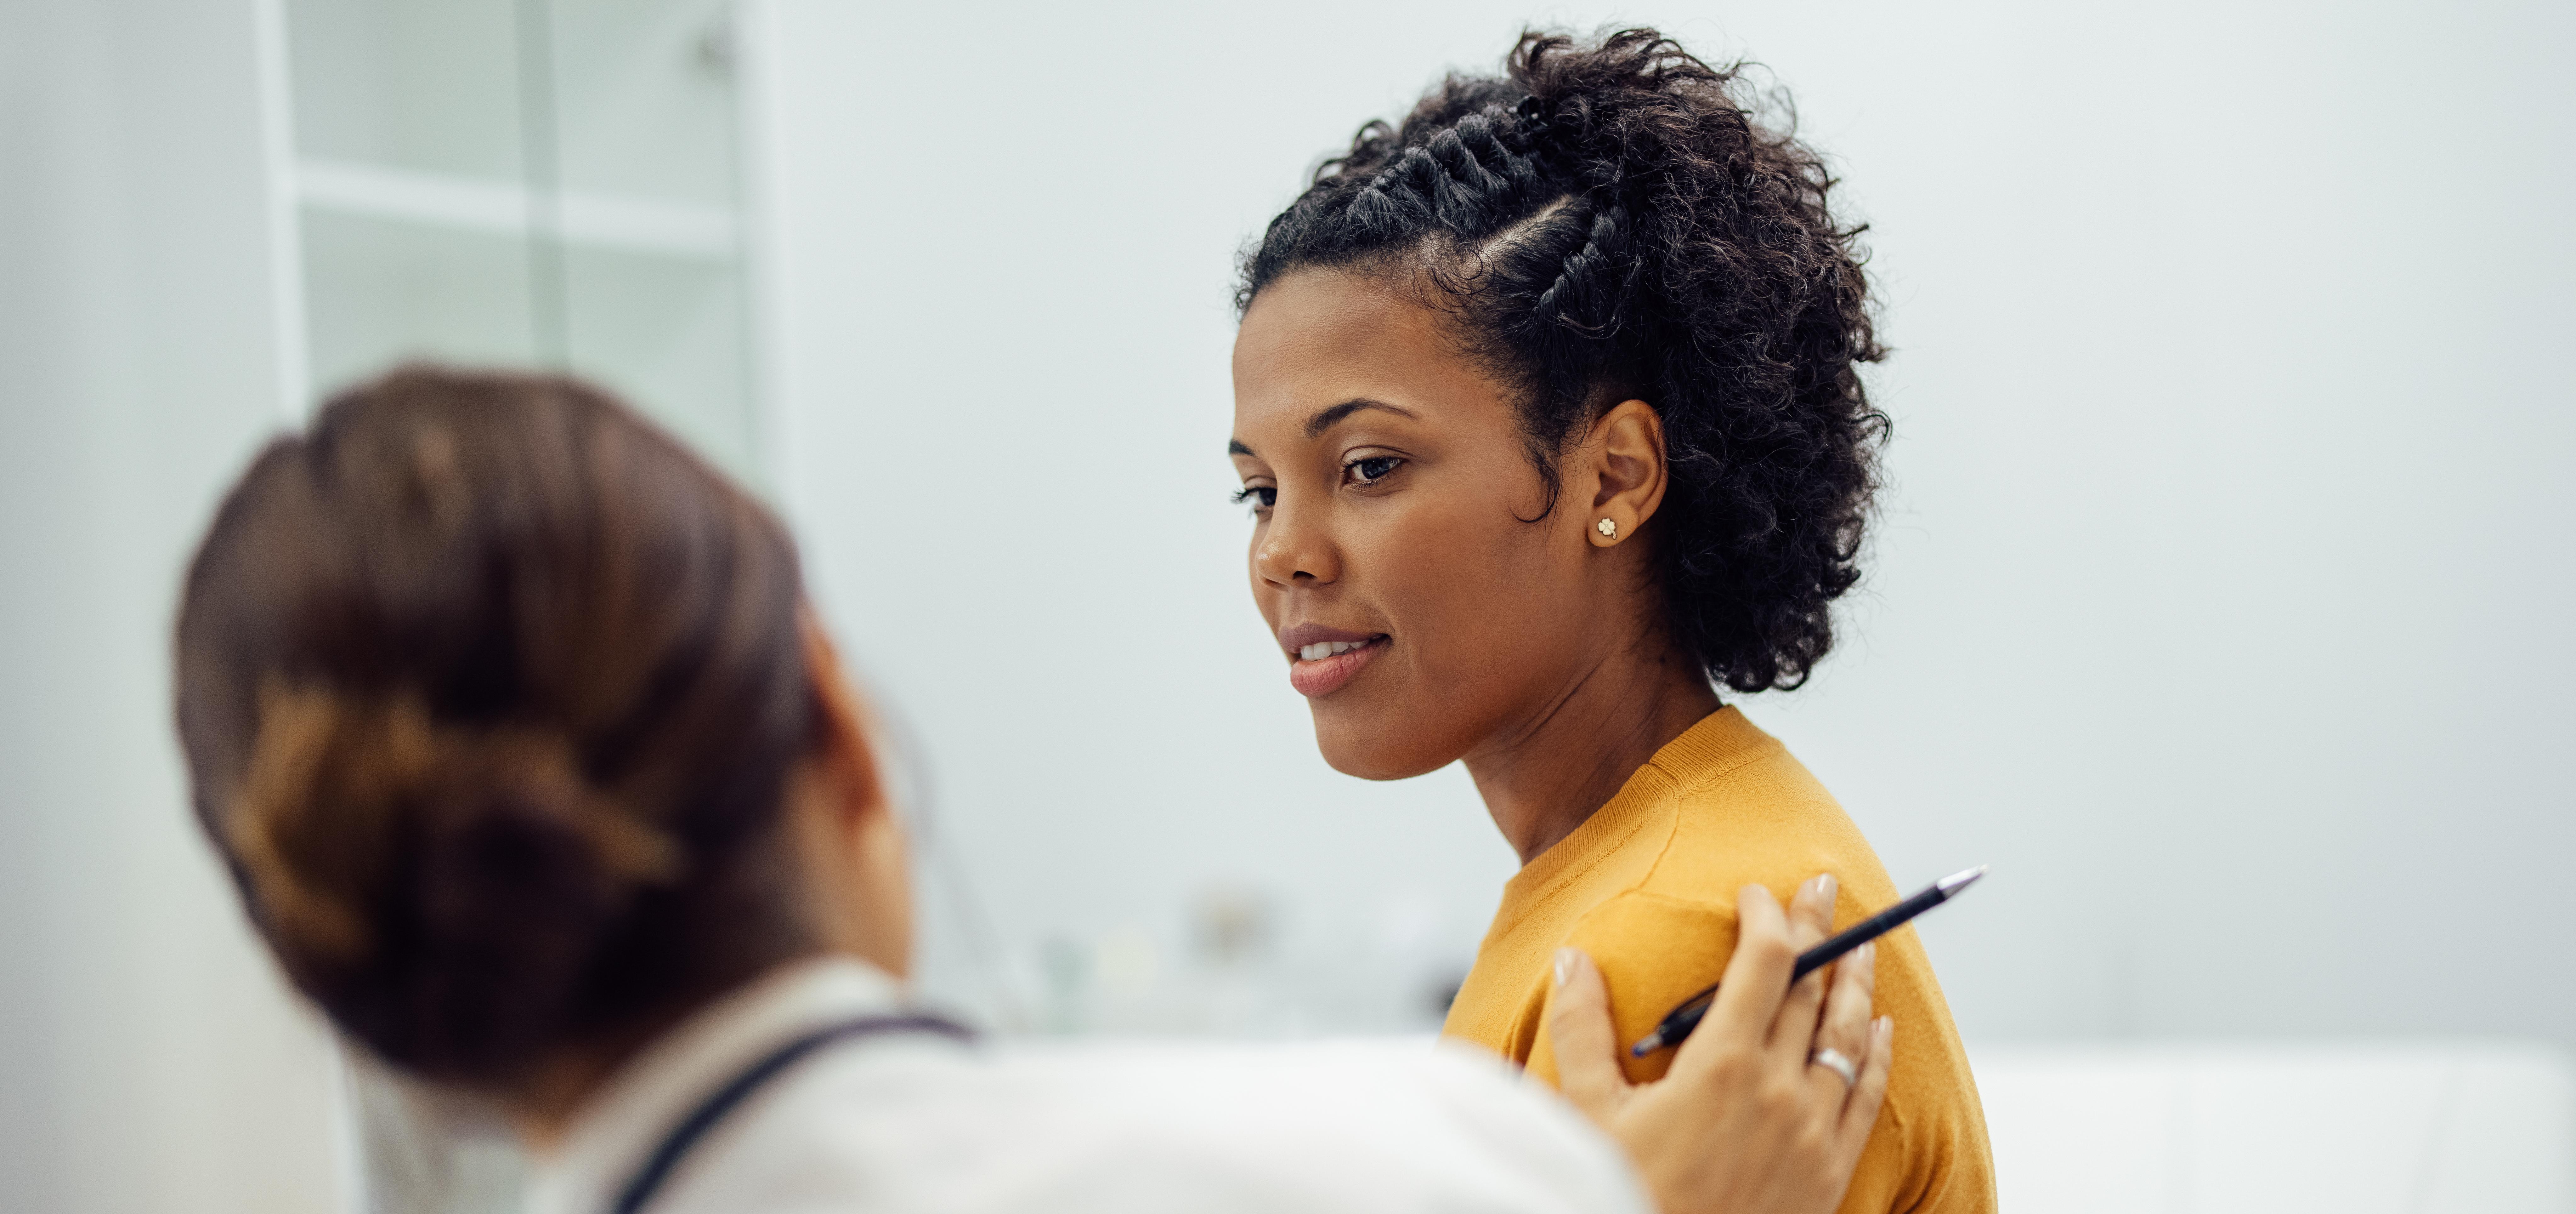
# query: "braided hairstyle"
x,y
1610,219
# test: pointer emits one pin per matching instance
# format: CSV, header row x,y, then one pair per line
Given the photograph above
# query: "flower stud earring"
x,y
1609,530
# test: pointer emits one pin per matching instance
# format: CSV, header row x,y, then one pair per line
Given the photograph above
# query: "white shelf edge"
x,y
645,225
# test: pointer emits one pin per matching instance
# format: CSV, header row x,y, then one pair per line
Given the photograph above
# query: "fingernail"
x,y
1886,1027
1564,965
1825,888
1869,952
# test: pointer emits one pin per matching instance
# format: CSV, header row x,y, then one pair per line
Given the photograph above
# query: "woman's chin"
x,y
1371,751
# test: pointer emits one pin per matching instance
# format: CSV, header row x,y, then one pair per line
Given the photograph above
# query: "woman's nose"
x,y
1293,551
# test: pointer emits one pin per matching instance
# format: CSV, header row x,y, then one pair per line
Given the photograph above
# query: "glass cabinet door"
x,y
529,183
545,184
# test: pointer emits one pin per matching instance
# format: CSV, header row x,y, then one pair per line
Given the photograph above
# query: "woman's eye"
x,y
1262,497
1373,469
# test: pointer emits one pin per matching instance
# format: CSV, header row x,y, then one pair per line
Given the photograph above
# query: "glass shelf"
x,y
640,225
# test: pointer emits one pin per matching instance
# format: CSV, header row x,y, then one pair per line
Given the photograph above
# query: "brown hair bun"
x,y
491,693
408,872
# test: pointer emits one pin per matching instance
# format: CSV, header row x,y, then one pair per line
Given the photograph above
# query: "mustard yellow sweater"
x,y
1647,886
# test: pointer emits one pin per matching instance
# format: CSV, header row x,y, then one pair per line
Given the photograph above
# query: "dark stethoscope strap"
x,y
657,1167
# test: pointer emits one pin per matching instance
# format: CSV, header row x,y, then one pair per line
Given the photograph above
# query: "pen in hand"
x,y
1678,1023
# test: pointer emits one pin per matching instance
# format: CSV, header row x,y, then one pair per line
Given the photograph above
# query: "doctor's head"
x,y
1563,370
506,715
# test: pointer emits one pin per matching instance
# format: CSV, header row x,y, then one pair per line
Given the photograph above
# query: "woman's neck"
x,y
1547,775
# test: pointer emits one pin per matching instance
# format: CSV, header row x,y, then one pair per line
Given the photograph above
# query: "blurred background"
x,y
2219,600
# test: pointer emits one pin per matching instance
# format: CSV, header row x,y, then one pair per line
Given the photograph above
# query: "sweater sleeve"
x,y
1927,1153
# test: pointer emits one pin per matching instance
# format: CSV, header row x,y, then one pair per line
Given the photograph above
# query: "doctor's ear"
x,y
844,737
1619,473
856,861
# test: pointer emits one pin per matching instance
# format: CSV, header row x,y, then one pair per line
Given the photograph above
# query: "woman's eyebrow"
x,y
1324,419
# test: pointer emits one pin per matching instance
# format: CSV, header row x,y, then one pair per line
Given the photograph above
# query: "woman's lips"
x,y
1324,676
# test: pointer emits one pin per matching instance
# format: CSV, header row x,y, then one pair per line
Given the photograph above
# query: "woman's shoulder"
x,y
1734,785
1763,820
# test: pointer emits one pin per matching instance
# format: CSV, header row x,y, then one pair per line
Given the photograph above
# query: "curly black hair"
x,y
1611,219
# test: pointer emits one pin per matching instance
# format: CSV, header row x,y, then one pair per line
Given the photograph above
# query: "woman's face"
x,y
1389,480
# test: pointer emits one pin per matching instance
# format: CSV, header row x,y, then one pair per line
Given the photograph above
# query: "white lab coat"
x,y
921,1123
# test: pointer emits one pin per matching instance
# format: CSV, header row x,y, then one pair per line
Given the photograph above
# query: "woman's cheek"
x,y
1442,586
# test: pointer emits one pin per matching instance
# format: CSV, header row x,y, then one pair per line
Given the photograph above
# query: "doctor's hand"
x,y
1743,1123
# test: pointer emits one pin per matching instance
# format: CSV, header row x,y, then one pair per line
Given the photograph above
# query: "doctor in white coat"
x,y
507,715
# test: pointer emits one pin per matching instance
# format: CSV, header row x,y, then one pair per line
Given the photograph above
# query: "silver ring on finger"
x,y
1832,1060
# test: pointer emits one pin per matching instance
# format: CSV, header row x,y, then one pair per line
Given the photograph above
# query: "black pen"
x,y
1679,1022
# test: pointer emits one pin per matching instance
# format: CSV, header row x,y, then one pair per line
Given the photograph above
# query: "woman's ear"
x,y
1623,466
856,857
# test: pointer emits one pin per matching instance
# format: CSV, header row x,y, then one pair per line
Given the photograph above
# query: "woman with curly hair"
x,y
1548,406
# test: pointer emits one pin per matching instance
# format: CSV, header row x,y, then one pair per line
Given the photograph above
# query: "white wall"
x,y
2221,602
2220,598
149,1058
